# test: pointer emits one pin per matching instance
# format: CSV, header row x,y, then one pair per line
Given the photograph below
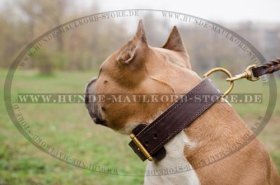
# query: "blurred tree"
x,y
11,34
157,30
40,14
88,45
43,62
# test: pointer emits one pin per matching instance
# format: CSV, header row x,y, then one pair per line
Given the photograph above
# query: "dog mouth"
x,y
92,106
96,119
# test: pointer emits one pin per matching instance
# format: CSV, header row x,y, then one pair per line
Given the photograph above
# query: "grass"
x,y
69,129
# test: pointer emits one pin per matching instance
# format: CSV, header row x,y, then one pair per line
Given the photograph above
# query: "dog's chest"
x,y
174,168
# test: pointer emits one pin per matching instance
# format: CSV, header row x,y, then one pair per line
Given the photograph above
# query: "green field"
x,y
68,129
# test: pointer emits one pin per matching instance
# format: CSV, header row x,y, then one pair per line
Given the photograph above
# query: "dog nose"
x,y
87,93
91,105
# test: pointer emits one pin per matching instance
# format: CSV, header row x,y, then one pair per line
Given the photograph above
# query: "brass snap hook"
x,y
231,83
248,74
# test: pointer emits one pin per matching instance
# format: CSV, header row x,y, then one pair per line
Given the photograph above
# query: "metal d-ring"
x,y
231,83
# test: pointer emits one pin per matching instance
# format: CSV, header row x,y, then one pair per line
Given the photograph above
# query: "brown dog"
x,y
137,68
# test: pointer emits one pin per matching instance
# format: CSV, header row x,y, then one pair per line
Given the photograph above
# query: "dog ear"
x,y
140,33
128,52
174,41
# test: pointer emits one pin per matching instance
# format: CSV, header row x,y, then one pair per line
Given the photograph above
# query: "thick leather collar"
x,y
148,141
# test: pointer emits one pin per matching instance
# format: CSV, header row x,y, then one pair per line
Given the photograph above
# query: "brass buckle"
x,y
140,147
231,83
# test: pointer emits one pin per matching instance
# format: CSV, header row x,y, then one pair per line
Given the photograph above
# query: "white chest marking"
x,y
174,169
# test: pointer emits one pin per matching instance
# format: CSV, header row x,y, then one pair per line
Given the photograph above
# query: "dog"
x,y
138,68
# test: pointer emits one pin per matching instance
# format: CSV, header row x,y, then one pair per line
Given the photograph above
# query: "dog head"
x,y
139,69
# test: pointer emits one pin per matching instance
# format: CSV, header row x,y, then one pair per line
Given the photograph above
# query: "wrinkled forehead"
x,y
110,62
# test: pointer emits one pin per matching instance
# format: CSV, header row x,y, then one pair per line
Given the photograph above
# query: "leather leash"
x,y
267,68
148,141
253,72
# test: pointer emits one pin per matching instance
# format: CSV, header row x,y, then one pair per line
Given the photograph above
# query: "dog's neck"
x,y
213,131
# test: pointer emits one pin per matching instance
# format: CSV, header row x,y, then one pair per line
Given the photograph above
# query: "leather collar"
x,y
148,141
